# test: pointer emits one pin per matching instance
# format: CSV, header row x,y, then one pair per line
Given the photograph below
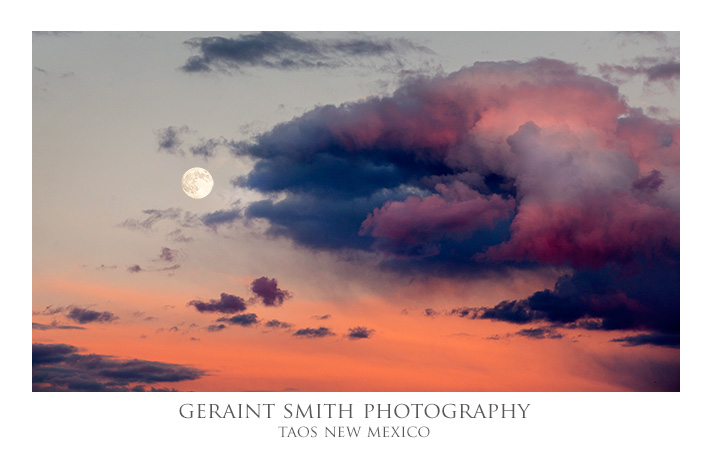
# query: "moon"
x,y
197,183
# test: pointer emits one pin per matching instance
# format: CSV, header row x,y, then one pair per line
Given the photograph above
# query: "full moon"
x,y
197,183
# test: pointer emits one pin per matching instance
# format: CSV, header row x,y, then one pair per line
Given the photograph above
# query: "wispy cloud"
x,y
651,69
310,332
654,339
169,139
54,325
286,51
278,324
153,216
359,333
139,269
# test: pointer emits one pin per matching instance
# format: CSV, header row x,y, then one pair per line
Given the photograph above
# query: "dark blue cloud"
x,y
60,367
244,319
83,316
654,339
278,324
226,304
221,217
216,327
310,332
329,223
642,297
539,333
79,315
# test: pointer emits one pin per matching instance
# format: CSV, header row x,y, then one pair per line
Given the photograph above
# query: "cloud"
x,y
172,140
479,169
606,299
177,215
178,236
79,315
60,367
226,304
409,227
134,269
183,219
539,333
170,268
278,324
221,217
167,254
50,310
138,269
103,267
309,332
654,339
286,51
169,139
499,165
430,312
650,182
141,315
266,290
54,325
652,69
216,327
359,333
83,316
244,319
322,317
207,148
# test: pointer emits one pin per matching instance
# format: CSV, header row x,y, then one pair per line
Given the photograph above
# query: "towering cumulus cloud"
x,y
496,165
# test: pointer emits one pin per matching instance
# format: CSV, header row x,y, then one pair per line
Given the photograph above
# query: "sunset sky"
x,y
391,211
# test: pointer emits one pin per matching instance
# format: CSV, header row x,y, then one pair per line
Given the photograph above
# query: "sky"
x,y
391,211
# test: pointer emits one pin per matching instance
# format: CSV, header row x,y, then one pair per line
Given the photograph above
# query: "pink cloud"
x,y
585,176
455,211
590,234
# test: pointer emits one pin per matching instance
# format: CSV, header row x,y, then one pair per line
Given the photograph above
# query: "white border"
x,y
556,420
